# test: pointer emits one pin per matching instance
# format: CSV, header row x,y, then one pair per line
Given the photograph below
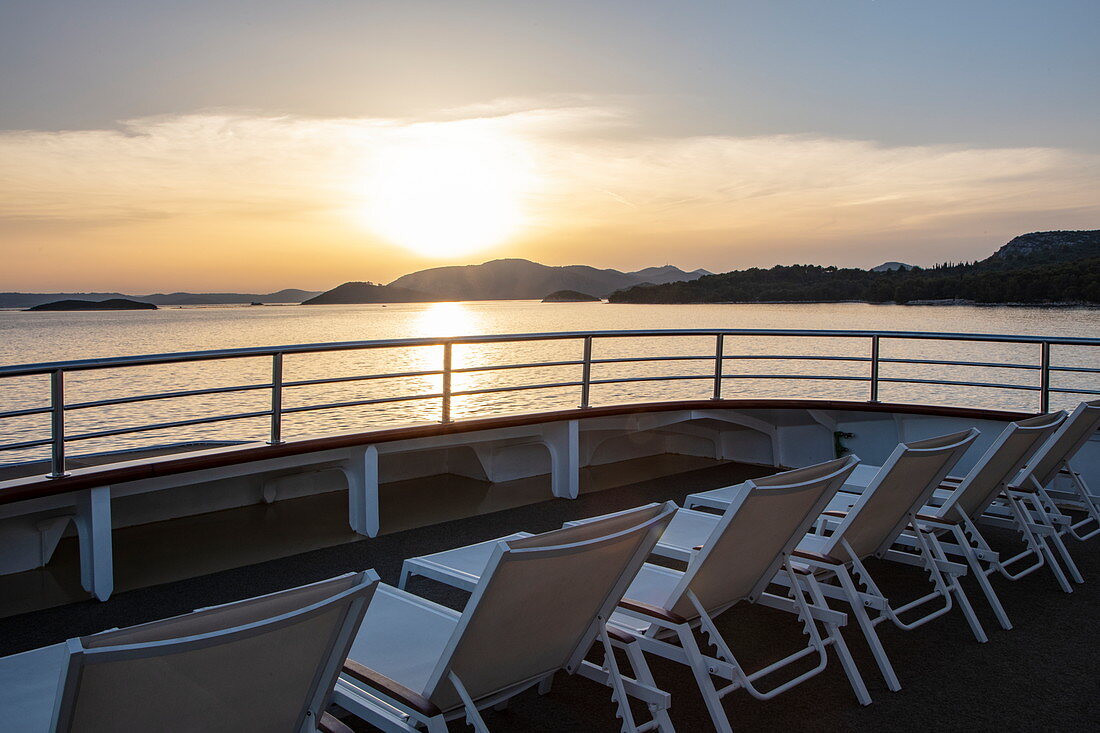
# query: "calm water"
x,y
34,337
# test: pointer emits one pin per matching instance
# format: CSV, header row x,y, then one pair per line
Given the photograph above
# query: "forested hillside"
x,y
1043,267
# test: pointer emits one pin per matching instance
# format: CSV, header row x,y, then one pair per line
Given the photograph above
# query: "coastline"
x,y
951,302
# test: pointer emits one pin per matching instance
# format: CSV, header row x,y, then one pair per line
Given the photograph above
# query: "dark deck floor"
x,y
1042,675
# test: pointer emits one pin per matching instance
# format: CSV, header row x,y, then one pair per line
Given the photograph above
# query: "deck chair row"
x,y
770,546
910,510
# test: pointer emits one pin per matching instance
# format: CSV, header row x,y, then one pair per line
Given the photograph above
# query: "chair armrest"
x,y
329,724
816,557
648,609
396,690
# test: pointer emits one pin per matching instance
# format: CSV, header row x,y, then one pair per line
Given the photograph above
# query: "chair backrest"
x,y
906,480
1061,447
541,602
766,519
266,663
1016,444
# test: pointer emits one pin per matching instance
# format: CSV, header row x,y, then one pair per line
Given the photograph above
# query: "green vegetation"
x,y
1044,267
569,296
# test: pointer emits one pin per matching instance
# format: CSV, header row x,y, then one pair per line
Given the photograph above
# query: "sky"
x,y
251,146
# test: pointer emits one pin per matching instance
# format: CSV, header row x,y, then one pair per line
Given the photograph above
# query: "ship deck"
x,y
1039,675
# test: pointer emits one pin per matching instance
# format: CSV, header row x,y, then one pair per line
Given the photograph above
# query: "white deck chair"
x,y
1053,460
747,546
539,605
956,508
262,664
871,524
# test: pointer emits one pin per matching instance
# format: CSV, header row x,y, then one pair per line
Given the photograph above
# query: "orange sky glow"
x,y
231,201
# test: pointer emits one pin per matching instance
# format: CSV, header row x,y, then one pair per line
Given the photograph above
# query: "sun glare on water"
x,y
446,193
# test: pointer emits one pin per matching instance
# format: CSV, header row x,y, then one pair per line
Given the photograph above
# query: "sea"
x,y
32,337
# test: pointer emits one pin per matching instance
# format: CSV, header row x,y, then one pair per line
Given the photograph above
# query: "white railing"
x,y
57,438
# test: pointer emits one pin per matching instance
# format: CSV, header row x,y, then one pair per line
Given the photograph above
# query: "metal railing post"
x,y
1044,379
446,410
586,372
57,424
874,368
719,353
276,399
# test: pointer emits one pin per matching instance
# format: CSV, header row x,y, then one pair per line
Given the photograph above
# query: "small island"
x,y
113,304
570,296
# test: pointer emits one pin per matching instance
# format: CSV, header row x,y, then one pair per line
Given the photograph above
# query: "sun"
x,y
444,193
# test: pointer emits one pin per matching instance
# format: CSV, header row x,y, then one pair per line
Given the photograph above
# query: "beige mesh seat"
x,y
747,546
854,527
1055,483
956,508
262,664
538,605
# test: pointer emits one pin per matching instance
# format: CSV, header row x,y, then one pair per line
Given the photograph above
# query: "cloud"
x,y
593,177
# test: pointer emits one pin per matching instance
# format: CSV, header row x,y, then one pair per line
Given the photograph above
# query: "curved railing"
x,y
57,439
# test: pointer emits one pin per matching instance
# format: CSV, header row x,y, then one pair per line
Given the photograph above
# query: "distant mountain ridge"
x,y
367,292
288,295
518,279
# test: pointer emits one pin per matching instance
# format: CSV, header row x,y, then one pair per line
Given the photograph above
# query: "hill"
x,y
888,266
368,292
112,304
1042,267
1048,247
570,296
517,279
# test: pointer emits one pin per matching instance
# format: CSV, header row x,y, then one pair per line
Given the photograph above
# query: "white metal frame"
x,y
391,714
656,632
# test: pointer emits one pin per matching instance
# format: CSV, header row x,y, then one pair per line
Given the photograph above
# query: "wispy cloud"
x,y
595,179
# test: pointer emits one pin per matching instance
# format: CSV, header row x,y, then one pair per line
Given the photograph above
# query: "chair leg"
x,y
1088,503
868,628
1063,552
1037,544
473,716
703,679
642,673
855,679
1055,536
615,681
933,553
979,573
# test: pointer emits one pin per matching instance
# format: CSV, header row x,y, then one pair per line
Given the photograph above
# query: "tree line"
x,y
988,281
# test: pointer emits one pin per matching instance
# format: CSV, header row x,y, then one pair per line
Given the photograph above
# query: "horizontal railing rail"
x,y
277,386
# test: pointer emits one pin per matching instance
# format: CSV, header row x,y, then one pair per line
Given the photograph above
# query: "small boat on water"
x,y
778,493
